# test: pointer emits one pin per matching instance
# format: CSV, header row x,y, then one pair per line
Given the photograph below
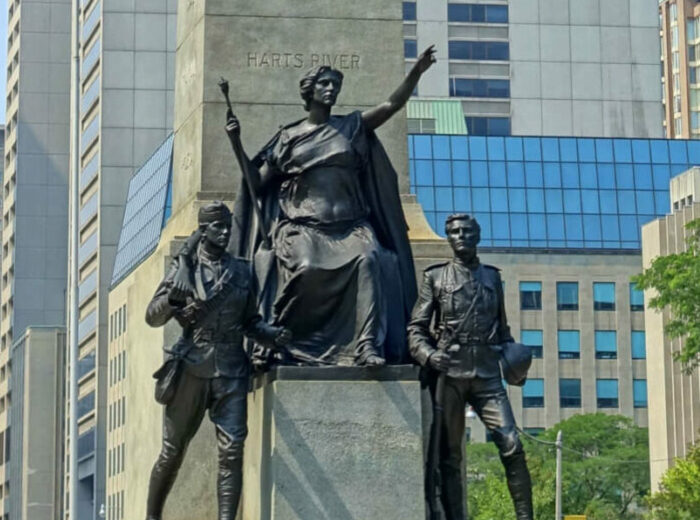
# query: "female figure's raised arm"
x,y
377,116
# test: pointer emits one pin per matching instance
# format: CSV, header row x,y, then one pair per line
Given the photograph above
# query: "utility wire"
x,y
585,455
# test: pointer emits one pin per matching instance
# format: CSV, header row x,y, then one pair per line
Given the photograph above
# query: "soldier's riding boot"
x,y
230,479
452,493
519,484
162,479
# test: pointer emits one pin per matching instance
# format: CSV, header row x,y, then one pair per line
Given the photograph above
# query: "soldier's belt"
x,y
471,340
216,337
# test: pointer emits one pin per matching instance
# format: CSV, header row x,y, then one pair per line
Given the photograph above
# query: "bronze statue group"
x,y
314,268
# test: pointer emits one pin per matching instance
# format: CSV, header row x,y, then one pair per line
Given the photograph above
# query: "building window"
x,y
605,344
533,339
533,393
639,390
420,126
604,296
530,295
636,298
482,88
477,50
409,11
567,296
488,125
477,13
639,348
606,390
86,404
410,48
570,393
569,344
86,364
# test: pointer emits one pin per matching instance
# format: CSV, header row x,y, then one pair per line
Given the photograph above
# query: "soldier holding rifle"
x,y
213,299
464,299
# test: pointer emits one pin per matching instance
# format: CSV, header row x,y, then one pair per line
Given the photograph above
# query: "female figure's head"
x,y
320,85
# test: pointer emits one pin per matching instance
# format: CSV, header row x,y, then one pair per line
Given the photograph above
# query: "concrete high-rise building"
x,y
680,43
35,453
543,67
34,235
126,111
675,401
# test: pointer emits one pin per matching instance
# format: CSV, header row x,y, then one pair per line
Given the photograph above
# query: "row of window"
x,y
528,230
474,13
607,393
117,368
558,149
488,125
86,364
468,87
478,50
117,414
567,296
86,444
569,343
465,50
86,404
477,13
115,464
117,323
616,183
115,506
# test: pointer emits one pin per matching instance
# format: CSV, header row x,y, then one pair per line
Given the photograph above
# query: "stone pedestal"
x,y
336,443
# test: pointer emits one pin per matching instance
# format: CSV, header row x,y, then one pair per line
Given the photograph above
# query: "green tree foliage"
x,y
608,481
679,495
676,280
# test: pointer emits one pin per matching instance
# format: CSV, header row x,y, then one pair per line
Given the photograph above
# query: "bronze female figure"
x,y
339,274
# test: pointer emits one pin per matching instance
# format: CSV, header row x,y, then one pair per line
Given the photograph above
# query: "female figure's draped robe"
x,y
340,274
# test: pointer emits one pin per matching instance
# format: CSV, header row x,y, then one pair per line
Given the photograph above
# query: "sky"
x,y
3,52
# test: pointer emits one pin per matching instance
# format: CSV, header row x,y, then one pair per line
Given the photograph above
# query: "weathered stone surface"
x,y
336,448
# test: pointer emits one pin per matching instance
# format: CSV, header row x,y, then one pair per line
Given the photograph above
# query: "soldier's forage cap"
x,y
213,212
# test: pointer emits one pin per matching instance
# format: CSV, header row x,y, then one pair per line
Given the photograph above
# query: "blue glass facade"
x,y
148,205
548,192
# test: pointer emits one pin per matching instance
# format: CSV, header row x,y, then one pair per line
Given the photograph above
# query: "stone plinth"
x,y
335,443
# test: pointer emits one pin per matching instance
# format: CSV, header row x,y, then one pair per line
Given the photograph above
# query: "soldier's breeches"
x,y
225,398
491,404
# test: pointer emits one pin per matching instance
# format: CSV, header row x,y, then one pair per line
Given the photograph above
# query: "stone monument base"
x,y
336,443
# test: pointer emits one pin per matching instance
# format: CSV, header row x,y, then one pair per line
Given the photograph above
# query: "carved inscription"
x,y
290,60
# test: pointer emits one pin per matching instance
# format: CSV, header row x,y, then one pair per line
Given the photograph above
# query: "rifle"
x,y
433,480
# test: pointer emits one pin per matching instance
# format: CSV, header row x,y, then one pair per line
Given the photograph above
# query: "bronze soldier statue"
x,y
465,300
207,369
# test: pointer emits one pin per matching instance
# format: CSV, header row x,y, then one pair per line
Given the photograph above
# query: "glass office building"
x,y
548,192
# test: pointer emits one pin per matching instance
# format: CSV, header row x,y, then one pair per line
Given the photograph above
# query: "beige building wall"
x,y
675,401
36,447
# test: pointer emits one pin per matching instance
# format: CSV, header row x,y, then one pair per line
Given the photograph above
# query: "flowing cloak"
x,y
378,181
